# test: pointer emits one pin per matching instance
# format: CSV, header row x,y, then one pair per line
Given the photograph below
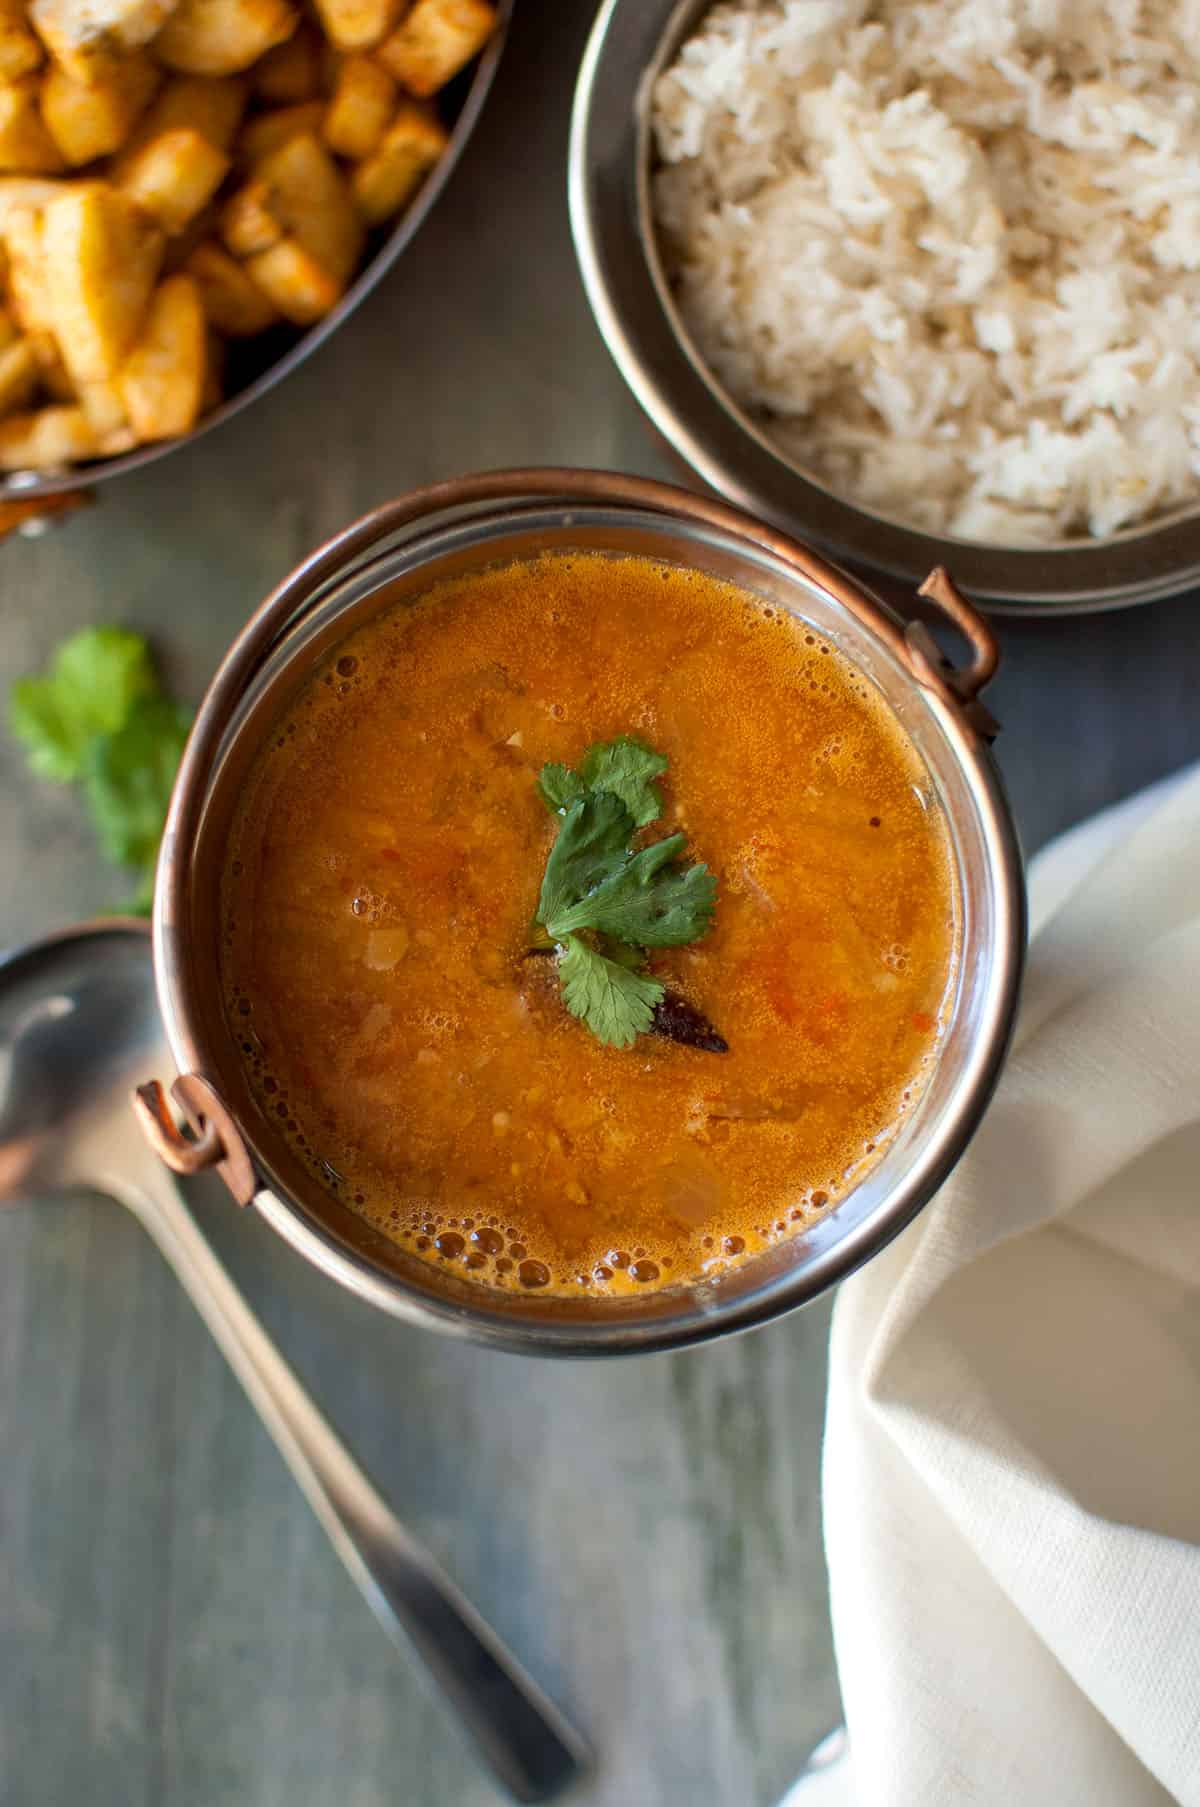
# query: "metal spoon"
x,y
79,1027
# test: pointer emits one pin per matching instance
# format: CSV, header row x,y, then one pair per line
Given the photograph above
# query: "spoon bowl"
x,y
79,1030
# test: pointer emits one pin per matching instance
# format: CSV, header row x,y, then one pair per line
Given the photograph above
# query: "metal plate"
x,y
259,363
609,169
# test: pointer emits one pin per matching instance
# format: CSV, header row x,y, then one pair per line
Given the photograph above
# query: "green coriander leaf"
x,y
627,767
95,680
632,957
650,901
560,787
592,842
128,776
617,1005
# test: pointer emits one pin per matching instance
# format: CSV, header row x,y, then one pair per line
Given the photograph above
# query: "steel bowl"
x,y
610,165
257,364
394,555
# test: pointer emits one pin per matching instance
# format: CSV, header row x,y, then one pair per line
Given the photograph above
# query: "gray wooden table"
x,y
173,1630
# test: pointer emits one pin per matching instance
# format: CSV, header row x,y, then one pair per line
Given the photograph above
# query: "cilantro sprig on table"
x,y
98,718
604,903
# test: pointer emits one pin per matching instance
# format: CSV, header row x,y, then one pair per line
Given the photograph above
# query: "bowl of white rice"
x,y
916,279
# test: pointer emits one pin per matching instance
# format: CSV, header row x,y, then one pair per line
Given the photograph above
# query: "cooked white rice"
x,y
948,252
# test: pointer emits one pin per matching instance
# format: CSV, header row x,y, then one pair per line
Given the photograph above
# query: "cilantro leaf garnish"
x,y
649,901
605,904
592,842
98,717
616,1004
560,787
628,768
96,677
128,777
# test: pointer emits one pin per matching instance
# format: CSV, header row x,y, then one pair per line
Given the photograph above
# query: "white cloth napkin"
x,y
1012,1458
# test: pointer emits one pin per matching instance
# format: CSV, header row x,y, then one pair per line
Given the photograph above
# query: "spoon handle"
x,y
520,1735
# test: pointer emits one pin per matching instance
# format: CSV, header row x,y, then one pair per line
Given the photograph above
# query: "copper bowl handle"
x,y
959,686
215,1141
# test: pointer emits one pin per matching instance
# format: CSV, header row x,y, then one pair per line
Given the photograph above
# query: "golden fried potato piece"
x,y
247,222
270,130
291,72
19,193
104,406
174,176
221,37
105,410
435,40
162,380
18,375
92,120
409,149
294,282
208,104
101,257
89,38
28,291
20,51
25,144
46,438
358,24
8,329
363,102
232,302
307,194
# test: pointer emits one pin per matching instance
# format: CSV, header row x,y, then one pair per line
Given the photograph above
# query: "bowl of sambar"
x,y
587,920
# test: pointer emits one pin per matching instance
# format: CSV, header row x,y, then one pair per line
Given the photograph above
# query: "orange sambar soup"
x,y
379,908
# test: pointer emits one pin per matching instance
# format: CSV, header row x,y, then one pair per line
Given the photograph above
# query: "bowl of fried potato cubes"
x,y
194,193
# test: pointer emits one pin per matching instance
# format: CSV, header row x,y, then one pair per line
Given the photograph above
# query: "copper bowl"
x,y
397,553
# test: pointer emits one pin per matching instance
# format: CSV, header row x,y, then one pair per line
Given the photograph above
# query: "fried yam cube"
x,y
221,37
24,193
45,438
409,149
106,414
19,375
232,302
300,187
101,257
292,72
435,40
271,130
162,380
294,282
210,105
358,24
247,223
172,177
363,101
25,144
28,291
20,51
88,120
89,38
